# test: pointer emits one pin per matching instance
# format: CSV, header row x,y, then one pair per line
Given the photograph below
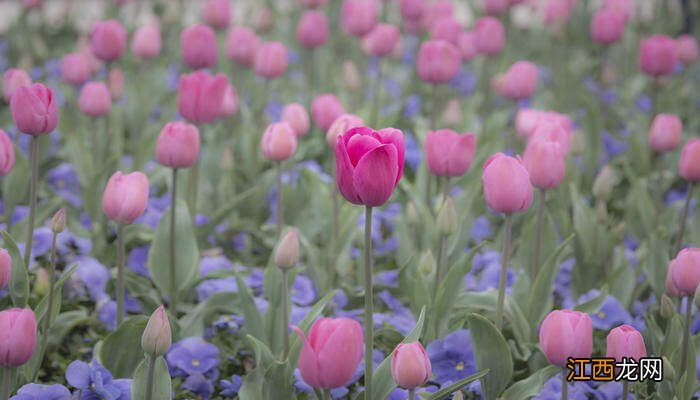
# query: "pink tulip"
x,y
116,84
381,40
624,7
75,68
94,99
495,7
325,109
447,29
671,288
271,60
566,333
229,105
438,62
32,4
685,271
358,17
552,130
34,109
146,42
545,162
466,42
201,95
435,11
527,120
264,20
689,163
506,184
125,197
17,336
312,30
410,365
7,155
369,164
687,49
607,26
178,145
657,55
108,40
296,116
13,79
313,3
519,82
341,125
242,45
5,268
332,353
279,142
489,36
558,12
665,132
412,9
448,153
198,44
217,13
625,342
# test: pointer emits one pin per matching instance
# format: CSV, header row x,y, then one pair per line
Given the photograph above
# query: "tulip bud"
x,y
410,365
489,36
17,336
42,284
685,271
146,42
217,13
665,132
667,309
438,61
229,105
447,29
295,115
125,196
448,153
7,154
200,96
625,342
271,60
325,108
242,45
108,40
381,40
566,333
34,109
426,264
545,162
687,48
506,183
607,26
5,268
351,77
279,142
657,55
287,253
58,221
156,338
75,68
604,183
312,29
447,217
199,47
13,79
689,162
178,145
358,17
95,99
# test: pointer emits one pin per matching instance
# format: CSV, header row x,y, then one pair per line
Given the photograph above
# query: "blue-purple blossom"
x,y
208,264
452,357
303,291
95,382
64,181
193,355
231,387
33,391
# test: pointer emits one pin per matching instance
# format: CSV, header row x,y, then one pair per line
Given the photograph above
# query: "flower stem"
x,y
411,394
280,215
434,104
327,394
52,280
625,389
285,307
120,274
34,156
151,372
654,97
173,243
369,307
95,144
684,216
377,92
564,385
193,187
504,268
538,235
6,372
686,335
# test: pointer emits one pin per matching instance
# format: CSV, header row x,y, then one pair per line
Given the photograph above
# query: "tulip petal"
x,y
374,178
339,357
308,361
395,137
344,171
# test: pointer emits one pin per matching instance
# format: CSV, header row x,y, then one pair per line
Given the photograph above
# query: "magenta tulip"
x,y
438,62
313,3
198,45
125,197
551,130
271,60
657,55
7,154
296,116
13,79
607,26
17,336
489,36
75,68
466,42
5,268
687,49
108,40
665,132
95,99
448,153
217,13
279,142
506,183
412,10
625,342
358,17
201,95
34,109
325,109
312,29
564,334
685,271
689,163
146,42
381,40
410,365
447,29
242,46
178,145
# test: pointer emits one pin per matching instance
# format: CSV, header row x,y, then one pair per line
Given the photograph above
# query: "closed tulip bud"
x,y
341,125
358,17
17,336
687,49
157,338
412,9
657,55
325,109
95,99
519,82
217,13
242,45
625,342
410,365
229,105
452,114
604,183
607,26
279,142
7,154
448,153
435,11
42,283
671,288
689,163
667,308
438,62
489,36
558,12
34,109
351,77
447,217
178,145
685,271
566,333
447,29
116,84
5,268
545,162
12,80
198,45
58,221
495,7
665,132
359,154
550,130
426,264
287,252
200,96
312,29
381,40
295,115
331,354
313,3
146,42
466,42
108,40
125,197
271,60
75,68
506,183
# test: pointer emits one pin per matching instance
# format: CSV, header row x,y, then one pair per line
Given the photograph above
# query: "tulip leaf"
x,y
18,286
253,319
275,374
530,386
448,390
121,350
541,292
15,189
491,352
162,386
193,323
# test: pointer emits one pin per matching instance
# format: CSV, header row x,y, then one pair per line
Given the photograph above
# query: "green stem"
x,y
369,307
654,97
280,215
625,389
6,374
327,394
684,216
120,273
94,143
52,280
686,335
193,187
285,308
173,244
538,234
434,104
310,72
411,394
151,372
504,268
34,156
377,92
438,278
564,385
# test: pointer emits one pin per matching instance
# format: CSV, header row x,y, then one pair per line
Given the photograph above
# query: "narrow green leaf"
x,y
448,390
19,280
490,352
530,386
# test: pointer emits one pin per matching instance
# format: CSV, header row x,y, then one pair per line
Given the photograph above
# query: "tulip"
x,y
466,42
7,154
178,145
217,13
624,7
313,3
545,163
495,7
687,49
670,286
146,42
125,197
32,4
312,30
287,252
438,62
435,11
607,26
489,36
657,55
5,268
519,82
198,44
358,17
447,29
242,45
200,96
410,365
665,132
17,336
229,105
412,10
34,109
75,68
689,162
341,125
271,60
116,84
685,273
12,80
156,338
558,12
264,20
296,116
332,352
325,108
550,130
95,99
381,40
448,153
279,142
625,342
566,333
108,40
506,184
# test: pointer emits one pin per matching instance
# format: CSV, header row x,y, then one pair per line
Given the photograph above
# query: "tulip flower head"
x,y
506,183
17,336
449,153
410,365
34,109
566,333
125,197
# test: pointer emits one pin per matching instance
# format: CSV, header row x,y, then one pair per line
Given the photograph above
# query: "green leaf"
x,y
490,352
305,324
193,323
121,350
15,189
186,251
531,386
541,292
19,280
162,386
253,319
448,390
276,375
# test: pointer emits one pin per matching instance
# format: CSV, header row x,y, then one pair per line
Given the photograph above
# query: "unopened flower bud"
x,y
426,265
667,308
287,253
41,286
156,337
351,77
447,218
604,183
669,371
58,221
411,213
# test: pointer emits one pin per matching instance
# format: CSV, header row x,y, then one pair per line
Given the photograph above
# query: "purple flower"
x,y
481,229
96,383
193,355
413,152
212,286
138,257
230,323
231,388
400,316
452,357
198,384
464,82
172,77
613,146
303,291
209,264
551,390
412,106
68,243
388,278
64,181
298,313
644,103
402,394
93,276
33,391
